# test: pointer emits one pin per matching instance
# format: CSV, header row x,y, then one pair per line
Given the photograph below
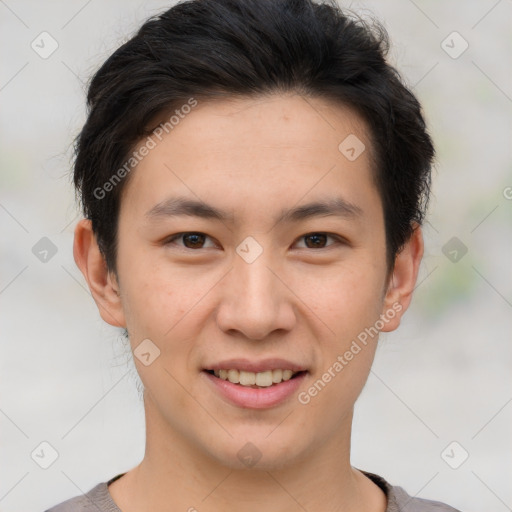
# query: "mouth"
x,y
256,380
267,385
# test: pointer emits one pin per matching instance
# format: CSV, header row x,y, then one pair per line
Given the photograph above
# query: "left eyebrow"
x,y
183,206
330,207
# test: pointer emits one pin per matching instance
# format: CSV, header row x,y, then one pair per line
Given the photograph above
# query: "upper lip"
x,y
256,366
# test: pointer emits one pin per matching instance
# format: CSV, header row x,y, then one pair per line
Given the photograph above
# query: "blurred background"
x,y
435,416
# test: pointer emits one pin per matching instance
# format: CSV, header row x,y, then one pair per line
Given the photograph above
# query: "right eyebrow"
x,y
182,206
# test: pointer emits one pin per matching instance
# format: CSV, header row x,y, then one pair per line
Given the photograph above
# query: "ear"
x,y
403,280
102,284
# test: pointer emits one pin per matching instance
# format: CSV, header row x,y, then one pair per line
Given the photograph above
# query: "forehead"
x,y
286,121
264,149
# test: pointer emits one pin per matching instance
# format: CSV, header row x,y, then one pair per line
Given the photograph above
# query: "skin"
x,y
200,302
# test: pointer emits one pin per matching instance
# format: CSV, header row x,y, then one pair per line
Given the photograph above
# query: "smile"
x,y
255,379
254,390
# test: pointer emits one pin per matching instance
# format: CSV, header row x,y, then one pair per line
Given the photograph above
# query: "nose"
x,y
255,300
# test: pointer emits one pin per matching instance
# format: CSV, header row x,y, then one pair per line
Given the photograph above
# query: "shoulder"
x,y
98,499
400,501
406,503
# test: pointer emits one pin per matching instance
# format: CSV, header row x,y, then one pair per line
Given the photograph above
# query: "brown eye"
x,y
318,240
194,239
190,240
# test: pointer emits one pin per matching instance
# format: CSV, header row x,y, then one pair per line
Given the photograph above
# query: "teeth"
x,y
233,376
287,374
247,378
277,376
264,379
260,379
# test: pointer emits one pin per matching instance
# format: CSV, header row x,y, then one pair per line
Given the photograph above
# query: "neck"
x,y
176,475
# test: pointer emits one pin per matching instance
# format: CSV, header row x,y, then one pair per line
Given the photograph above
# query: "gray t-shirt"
x,y
98,499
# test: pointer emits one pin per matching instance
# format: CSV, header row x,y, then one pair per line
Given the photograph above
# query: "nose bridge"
x,y
255,282
255,302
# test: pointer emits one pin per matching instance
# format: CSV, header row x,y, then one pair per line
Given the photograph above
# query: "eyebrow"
x,y
182,206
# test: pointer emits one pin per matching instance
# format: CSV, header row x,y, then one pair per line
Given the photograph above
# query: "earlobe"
x,y
403,280
102,284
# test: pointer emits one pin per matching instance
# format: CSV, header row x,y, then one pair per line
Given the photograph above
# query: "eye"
x,y
196,240
191,240
318,240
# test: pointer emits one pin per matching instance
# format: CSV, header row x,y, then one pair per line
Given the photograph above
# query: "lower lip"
x,y
256,398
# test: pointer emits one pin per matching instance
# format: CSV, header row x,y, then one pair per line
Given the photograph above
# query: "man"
x,y
253,176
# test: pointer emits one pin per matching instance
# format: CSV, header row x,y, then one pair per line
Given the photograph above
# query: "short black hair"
x,y
208,49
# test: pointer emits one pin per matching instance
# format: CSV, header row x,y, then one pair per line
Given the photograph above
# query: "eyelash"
x,y
339,240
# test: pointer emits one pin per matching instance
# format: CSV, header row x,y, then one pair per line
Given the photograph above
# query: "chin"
x,y
259,452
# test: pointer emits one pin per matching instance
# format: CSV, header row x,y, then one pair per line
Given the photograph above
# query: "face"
x,y
225,264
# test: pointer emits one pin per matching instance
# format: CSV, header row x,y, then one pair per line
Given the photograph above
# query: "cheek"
x,y
347,298
157,305
163,303
155,294
160,306
350,304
